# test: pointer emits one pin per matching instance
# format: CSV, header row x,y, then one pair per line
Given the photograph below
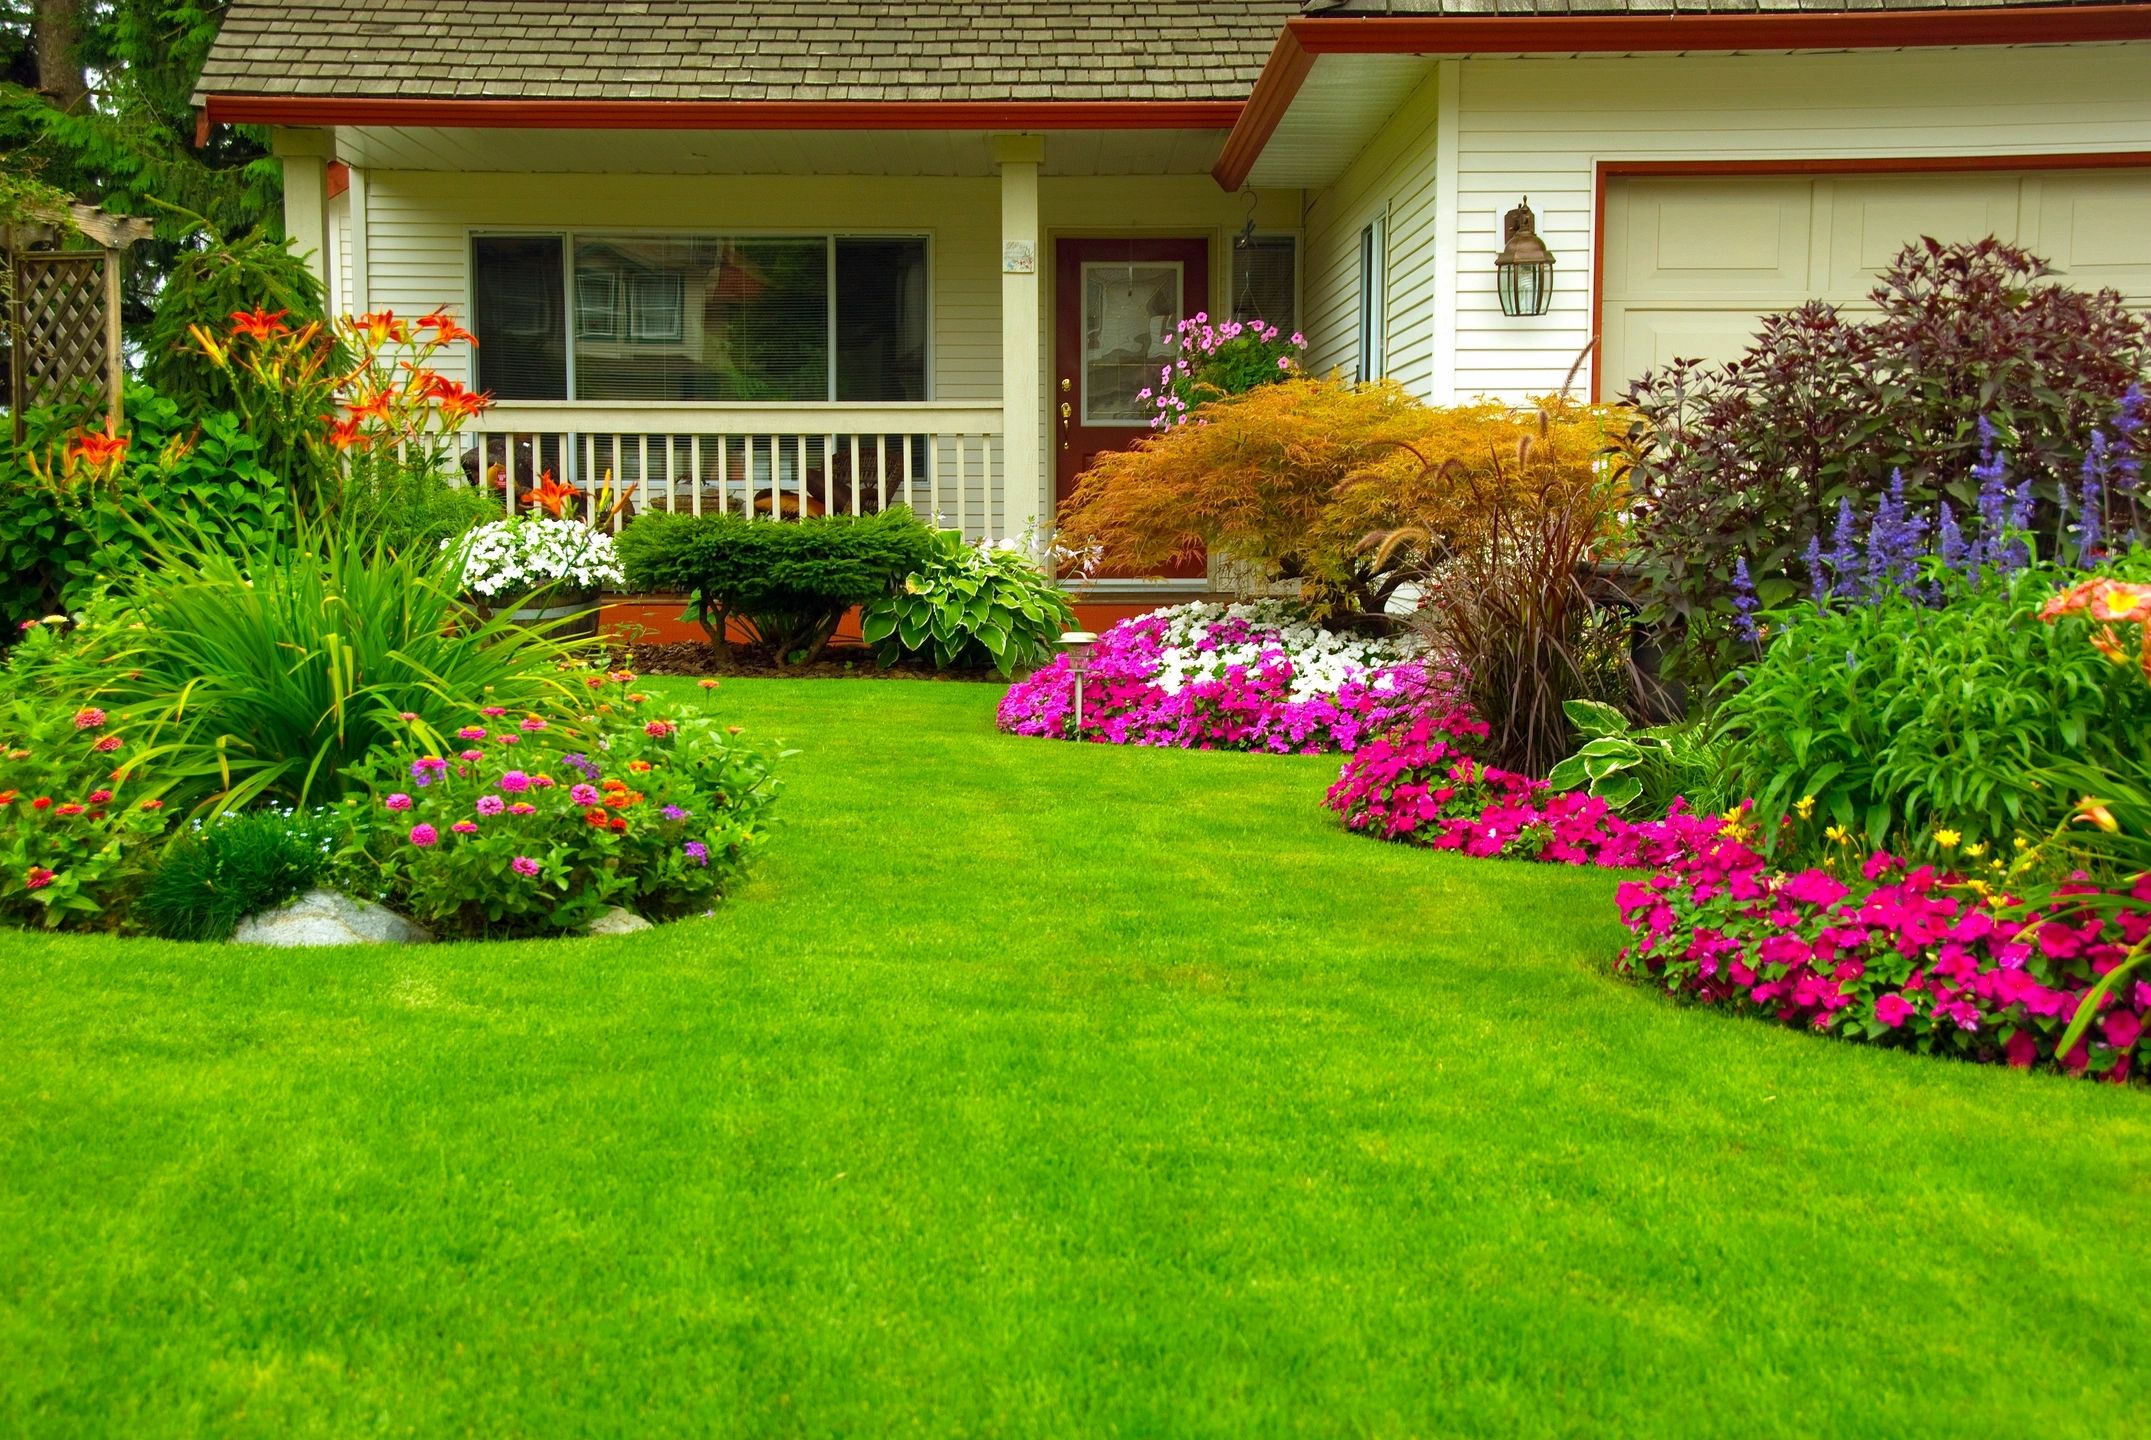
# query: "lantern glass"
x,y
1526,286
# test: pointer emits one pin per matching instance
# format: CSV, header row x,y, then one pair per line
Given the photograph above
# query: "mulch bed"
x,y
849,662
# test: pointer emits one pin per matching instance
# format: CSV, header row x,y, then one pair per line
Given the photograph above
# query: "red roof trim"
x,y
725,114
1306,38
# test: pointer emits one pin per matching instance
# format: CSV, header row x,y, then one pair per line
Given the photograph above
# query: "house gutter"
x,y
1306,39
323,110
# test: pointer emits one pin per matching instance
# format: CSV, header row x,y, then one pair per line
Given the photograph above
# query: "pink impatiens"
x,y
1205,677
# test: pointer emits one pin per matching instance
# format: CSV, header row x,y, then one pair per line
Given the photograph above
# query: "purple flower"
x,y
424,771
423,835
576,760
1950,540
696,851
1744,603
523,865
491,804
2091,525
674,812
1818,581
1845,552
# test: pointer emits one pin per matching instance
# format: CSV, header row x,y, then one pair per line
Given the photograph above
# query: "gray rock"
x,y
617,921
326,917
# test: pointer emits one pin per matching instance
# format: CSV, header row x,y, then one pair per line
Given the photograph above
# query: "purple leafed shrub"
x,y
1754,457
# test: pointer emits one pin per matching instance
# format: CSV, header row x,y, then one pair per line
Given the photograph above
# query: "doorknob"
x,y
1067,411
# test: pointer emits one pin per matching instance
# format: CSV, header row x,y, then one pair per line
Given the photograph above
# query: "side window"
x,y
520,315
1373,301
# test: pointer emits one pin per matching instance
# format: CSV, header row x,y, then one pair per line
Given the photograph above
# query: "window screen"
x,y
520,316
881,319
1265,281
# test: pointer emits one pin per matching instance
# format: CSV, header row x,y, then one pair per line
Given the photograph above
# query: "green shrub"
x,y
78,823
787,583
413,506
65,531
650,807
969,607
1900,720
237,865
265,674
205,288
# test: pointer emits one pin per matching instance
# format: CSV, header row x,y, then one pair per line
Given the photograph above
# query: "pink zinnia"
x,y
424,835
492,711
520,808
398,801
584,795
515,780
465,827
658,728
523,865
39,877
532,722
471,732
491,804
107,745
89,719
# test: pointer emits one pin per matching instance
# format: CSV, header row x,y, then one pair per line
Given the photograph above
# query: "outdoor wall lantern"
x,y
1524,269
1077,644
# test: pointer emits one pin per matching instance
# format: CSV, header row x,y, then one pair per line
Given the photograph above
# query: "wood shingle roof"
x,y
726,50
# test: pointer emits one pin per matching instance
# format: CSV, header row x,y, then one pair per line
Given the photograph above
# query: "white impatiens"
x,y
1204,641
515,556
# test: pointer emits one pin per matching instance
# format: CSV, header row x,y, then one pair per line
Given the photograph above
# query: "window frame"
x,y
1373,359
569,234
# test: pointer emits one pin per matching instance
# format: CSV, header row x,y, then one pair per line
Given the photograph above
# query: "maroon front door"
x,y
1117,306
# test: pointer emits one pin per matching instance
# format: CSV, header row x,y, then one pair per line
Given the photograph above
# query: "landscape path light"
x,y
1077,644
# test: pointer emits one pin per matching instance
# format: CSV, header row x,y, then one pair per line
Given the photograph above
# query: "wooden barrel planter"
x,y
570,615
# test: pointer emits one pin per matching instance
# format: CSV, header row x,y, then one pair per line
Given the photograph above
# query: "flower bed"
x,y
1239,677
1421,785
1905,956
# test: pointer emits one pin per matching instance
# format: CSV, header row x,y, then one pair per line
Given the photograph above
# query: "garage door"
x,y
1691,264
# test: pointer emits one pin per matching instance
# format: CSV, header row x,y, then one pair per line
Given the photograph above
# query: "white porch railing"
x,y
945,461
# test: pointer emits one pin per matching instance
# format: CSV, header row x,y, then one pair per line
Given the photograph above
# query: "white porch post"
x,y
305,156
1023,500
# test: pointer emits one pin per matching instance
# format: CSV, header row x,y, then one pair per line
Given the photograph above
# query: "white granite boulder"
x,y
617,921
326,917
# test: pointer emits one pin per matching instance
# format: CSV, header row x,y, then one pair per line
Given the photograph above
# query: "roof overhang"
x,y
1306,40
327,110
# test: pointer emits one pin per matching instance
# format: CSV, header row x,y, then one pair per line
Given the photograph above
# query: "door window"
x,y
1130,327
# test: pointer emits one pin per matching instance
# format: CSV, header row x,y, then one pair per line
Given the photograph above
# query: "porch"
x,y
789,323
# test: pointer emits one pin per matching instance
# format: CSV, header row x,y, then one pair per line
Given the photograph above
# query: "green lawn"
x,y
1033,1089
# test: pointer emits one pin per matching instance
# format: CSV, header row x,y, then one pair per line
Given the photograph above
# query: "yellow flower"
x,y
1837,835
1975,851
1806,808
1947,838
2022,843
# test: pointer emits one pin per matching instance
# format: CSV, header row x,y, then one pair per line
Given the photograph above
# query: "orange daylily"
x,y
259,324
346,434
97,450
457,402
2109,603
445,329
553,497
371,407
382,326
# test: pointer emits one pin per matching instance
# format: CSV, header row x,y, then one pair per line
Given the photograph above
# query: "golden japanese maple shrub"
x,y
1289,479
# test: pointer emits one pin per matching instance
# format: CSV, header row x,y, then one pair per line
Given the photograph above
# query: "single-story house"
x,y
809,255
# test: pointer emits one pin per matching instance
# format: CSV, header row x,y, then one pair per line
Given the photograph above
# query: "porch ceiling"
x,y
768,152
1343,102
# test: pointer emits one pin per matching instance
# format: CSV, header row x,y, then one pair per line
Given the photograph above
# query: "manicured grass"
x,y
1034,1089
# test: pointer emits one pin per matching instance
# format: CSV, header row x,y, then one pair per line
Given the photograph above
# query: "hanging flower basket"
x,y
539,571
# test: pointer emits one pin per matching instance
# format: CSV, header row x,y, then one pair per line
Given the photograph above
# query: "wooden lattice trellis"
x,y
63,309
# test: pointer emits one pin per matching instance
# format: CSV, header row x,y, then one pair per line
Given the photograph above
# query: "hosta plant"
x,y
1636,769
969,607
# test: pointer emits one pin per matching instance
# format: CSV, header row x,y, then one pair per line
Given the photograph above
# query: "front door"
x,y
1117,306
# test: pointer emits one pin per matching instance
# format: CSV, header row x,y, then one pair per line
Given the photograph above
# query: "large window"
x,y
702,317
1266,282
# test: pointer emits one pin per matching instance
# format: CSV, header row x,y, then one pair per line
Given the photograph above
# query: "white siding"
x,y
1540,126
1395,176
